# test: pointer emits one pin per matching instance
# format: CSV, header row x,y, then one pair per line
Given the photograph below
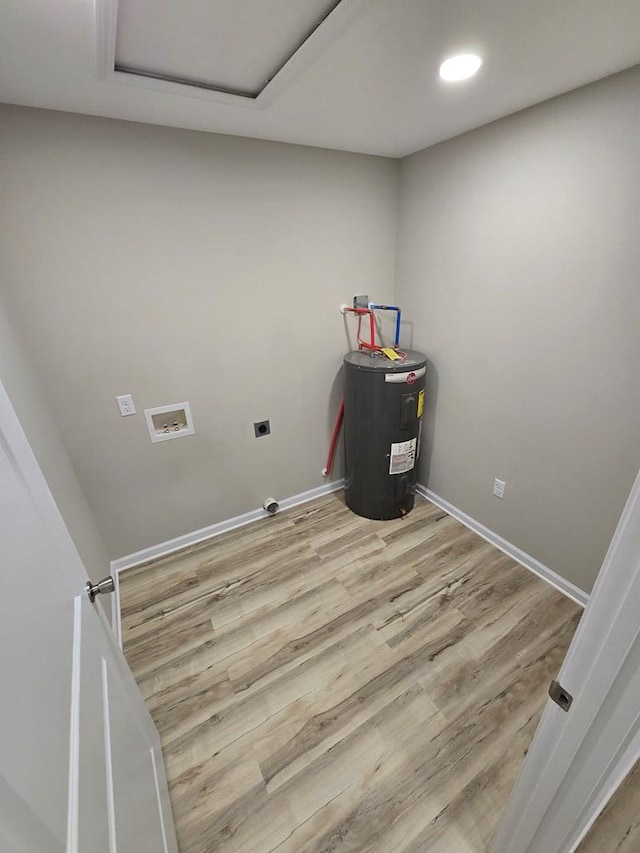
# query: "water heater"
x,y
383,406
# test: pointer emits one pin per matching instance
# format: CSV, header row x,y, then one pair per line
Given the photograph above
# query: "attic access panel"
x,y
231,46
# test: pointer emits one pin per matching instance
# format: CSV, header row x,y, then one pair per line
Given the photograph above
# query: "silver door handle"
x,y
103,587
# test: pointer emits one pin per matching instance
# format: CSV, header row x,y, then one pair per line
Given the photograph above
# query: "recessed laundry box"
x,y
167,422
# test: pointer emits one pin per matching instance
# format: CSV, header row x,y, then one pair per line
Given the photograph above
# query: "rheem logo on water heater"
x,y
410,376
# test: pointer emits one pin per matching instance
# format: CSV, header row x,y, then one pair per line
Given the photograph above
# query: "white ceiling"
x,y
366,80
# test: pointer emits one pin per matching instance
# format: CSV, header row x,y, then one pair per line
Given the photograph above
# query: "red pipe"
x,y
372,328
334,440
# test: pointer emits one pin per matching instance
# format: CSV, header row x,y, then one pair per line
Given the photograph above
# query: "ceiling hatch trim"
x,y
106,19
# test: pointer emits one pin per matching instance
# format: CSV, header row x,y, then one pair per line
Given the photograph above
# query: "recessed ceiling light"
x,y
460,67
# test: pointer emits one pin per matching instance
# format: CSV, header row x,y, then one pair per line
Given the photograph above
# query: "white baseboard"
x,y
184,541
172,545
564,586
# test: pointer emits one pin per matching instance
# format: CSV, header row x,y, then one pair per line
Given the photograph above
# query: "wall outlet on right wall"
x,y
498,488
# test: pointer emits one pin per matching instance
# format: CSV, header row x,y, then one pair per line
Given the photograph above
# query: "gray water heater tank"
x,y
383,406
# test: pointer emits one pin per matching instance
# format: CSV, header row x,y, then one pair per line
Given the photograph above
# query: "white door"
x,y
579,757
81,769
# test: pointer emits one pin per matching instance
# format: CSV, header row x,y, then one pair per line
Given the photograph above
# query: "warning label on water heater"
x,y
403,456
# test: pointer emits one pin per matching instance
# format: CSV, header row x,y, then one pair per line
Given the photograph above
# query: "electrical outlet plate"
x,y
498,488
167,422
261,428
125,405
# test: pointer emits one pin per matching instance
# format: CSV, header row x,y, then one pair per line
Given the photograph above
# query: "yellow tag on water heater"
x,y
390,353
420,403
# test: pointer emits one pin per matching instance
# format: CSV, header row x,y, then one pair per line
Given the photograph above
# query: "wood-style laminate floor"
x,y
322,682
617,829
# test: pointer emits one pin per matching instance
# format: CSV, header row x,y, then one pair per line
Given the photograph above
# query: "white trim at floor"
x,y
564,586
172,545
180,542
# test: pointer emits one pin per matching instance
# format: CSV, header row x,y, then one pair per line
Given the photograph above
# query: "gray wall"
x,y
183,266
519,263
37,421
176,266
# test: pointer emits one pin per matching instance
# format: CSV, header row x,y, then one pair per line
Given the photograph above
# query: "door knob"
x,y
103,587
